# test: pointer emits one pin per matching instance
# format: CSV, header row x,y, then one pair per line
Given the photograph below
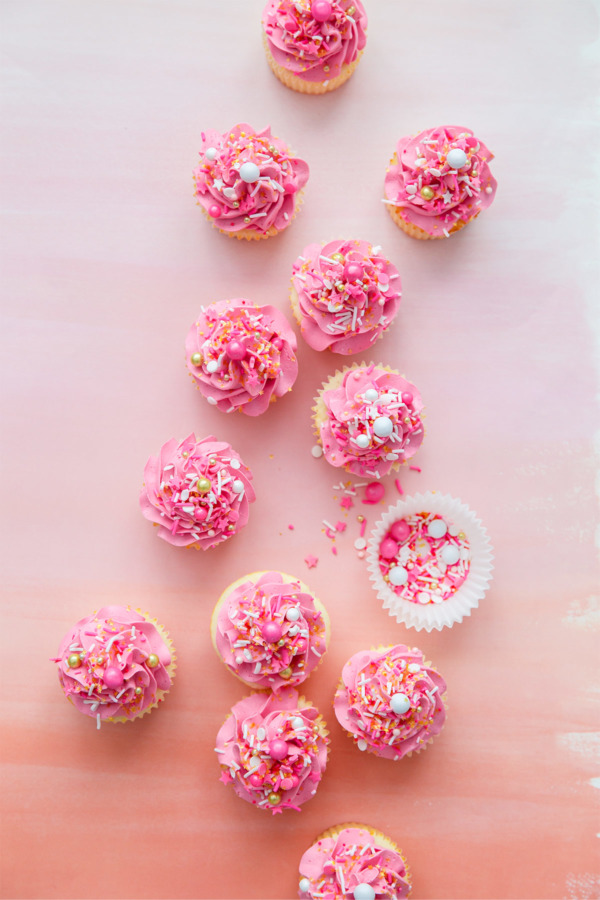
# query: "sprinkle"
x,y
328,525
398,486
98,721
415,468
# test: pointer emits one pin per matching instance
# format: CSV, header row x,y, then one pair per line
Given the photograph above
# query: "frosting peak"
x,y
241,355
247,180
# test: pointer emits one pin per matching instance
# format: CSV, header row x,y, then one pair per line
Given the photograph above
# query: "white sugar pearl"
x,y
210,153
398,575
362,441
297,722
450,554
360,543
249,172
362,745
364,891
371,395
239,660
383,426
230,193
238,486
400,704
293,614
316,451
414,668
437,528
423,597
304,885
212,366
456,158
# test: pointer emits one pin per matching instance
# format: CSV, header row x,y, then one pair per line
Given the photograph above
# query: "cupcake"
x,y
115,665
314,47
368,420
390,701
270,630
241,355
355,862
197,493
438,182
248,183
430,560
273,749
344,295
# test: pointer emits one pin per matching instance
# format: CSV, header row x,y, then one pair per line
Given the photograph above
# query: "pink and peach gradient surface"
x,y
106,262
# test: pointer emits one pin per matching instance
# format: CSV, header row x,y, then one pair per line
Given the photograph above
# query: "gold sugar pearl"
x,y
426,193
339,257
203,485
138,691
286,673
74,661
196,359
274,798
152,661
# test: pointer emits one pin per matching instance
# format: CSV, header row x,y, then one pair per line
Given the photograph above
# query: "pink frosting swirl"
x,y
373,421
311,48
237,204
390,701
273,750
348,294
113,664
335,866
269,633
241,355
197,492
430,192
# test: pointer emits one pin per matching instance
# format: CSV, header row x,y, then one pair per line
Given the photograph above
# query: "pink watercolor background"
x,y
106,261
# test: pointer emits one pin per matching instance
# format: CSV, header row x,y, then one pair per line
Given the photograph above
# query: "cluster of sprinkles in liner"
x,y
424,558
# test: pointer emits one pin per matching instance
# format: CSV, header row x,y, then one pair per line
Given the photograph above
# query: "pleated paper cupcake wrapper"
x,y
170,669
382,839
254,576
435,616
301,85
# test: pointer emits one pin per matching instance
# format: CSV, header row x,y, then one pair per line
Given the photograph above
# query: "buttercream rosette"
x,y
241,356
353,860
390,701
270,630
439,181
198,493
344,295
368,420
430,561
248,183
272,749
115,665
314,46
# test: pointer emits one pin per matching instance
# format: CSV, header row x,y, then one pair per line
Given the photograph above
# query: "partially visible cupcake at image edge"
x,y
344,295
272,749
430,560
368,419
248,183
314,46
116,665
241,356
390,701
197,493
438,181
270,630
356,862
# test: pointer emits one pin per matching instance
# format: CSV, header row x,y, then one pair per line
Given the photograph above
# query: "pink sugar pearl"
x,y
388,548
256,780
235,350
353,271
113,677
374,492
321,10
214,211
400,530
271,631
278,749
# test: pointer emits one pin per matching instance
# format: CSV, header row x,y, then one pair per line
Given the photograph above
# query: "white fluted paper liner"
x,y
466,598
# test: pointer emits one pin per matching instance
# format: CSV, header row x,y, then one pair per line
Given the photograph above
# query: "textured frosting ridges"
x,y
375,683
269,633
273,750
197,492
372,421
263,205
335,866
114,664
241,355
348,293
430,193
309,48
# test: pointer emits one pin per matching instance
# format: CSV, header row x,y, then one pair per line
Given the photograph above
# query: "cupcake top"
x,y
348,294
113,663
197,492
241,355
373,421
353,863
268,631
273,749
424,557
390,700
247,180
440,177
313,40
